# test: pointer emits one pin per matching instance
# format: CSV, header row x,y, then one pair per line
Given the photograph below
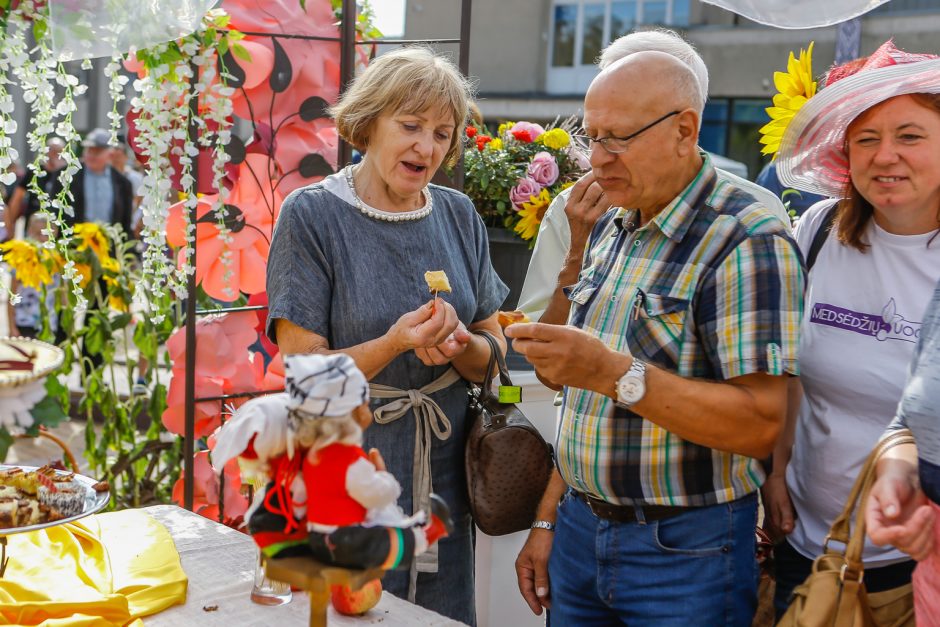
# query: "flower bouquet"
x,y
512,176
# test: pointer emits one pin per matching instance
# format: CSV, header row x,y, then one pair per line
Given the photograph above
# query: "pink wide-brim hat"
x,y
812,153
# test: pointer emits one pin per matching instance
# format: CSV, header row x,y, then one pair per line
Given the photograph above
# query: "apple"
x,y
356,602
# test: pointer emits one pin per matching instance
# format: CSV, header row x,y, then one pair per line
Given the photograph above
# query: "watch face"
x,y
631,390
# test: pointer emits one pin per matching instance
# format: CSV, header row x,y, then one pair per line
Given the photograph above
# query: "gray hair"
x,y
659,40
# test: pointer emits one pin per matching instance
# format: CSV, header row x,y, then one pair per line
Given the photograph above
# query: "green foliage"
x,y
124,439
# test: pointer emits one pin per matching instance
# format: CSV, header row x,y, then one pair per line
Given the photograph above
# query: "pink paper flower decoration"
x,y
254,205
206,487
223,366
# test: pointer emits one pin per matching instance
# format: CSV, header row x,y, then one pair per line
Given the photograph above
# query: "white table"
x,y
219,562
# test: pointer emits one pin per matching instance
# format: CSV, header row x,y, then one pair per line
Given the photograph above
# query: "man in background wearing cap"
x,y
101,193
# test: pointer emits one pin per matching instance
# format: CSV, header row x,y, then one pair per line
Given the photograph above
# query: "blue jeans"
x,y
697,568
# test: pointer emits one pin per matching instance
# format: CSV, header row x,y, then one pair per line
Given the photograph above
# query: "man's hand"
x,y
585,205
566,355
778,508
532,570
897,511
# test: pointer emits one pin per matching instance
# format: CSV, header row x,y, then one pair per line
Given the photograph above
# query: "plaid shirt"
x,y
711,288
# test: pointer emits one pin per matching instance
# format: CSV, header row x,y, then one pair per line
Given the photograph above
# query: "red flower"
x,y
523,136
471,131
483,140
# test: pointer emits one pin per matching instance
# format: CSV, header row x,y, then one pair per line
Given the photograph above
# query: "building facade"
x,y
534,59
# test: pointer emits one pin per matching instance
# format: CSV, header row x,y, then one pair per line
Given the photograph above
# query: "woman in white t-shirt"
x,y
872,137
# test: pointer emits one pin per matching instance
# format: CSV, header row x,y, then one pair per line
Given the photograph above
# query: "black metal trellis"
x,y
348,43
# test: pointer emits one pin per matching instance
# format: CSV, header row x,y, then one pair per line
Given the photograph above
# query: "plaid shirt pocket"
x,y
657,328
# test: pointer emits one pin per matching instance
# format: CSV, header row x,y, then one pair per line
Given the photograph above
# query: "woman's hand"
x,y
778,508
425,327
452,346
897,511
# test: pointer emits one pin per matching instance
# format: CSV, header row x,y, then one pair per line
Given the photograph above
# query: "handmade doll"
x,y
327,497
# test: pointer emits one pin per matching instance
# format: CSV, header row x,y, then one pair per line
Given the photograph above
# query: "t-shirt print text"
x,y
888,325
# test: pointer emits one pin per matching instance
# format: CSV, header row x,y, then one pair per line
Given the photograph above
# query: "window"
x,y
593,33
714,131
622,18
581,29
908,6
565,19
654,12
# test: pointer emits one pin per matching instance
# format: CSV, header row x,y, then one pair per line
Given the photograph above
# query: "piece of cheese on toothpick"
x,y
437,281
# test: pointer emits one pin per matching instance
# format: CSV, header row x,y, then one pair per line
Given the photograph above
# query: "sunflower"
x,y
92,236
27,261
795,87
530,216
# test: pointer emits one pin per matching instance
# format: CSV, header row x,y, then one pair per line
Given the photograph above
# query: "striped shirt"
x,y
711,288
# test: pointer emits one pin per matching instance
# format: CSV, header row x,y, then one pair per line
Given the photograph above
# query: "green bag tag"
x,y
510,394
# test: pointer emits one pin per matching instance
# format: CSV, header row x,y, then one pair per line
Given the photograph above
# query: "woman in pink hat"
x,y
870,140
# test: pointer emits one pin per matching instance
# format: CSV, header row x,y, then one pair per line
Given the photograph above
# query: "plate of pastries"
x,y
34,498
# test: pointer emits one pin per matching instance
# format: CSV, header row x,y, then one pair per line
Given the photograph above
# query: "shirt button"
x,y
613,299
637,242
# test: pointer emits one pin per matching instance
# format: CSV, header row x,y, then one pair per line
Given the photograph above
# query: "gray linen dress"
x,y
348,277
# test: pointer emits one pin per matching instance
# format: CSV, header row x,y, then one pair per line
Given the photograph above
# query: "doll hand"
x,y
376,458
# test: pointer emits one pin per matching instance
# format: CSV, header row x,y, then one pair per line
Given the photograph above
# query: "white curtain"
x,y
85,29
798,13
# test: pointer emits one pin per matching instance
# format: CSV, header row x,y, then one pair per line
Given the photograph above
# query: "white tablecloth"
x,y
219,562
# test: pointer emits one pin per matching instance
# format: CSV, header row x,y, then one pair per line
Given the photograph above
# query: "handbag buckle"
x,y
845,567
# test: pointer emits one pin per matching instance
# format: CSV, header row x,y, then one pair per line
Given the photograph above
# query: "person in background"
x,y
573,212
25,317
101,193
346,273
869,282
682,331
23,202
904,506
796,202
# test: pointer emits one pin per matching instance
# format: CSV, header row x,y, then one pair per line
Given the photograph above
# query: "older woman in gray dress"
x,y
346,273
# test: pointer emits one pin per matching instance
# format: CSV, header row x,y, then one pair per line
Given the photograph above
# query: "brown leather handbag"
x,y
508,462
834,594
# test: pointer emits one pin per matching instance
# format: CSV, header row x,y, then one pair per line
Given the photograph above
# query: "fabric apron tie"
x,y
429,418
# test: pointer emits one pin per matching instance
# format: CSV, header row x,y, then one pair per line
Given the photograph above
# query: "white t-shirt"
x,y
862,319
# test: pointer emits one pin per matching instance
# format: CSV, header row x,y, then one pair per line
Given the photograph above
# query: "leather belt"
x,y
630,513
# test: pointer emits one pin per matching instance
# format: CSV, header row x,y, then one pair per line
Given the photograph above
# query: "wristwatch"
x,y
632,385
543,524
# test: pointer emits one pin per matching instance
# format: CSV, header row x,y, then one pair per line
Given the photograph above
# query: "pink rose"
x,y
525,188
543,169
534,130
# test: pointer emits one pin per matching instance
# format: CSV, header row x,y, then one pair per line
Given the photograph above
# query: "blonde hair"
x,y
320,432
409,80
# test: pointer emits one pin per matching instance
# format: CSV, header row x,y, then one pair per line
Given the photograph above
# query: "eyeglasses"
x,y
616,145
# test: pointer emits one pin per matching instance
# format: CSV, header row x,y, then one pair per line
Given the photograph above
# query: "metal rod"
x,y
347,68
225,397
357,43
464,65
220,310
189,436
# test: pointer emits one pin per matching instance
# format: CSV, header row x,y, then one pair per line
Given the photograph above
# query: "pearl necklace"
x,y
388,216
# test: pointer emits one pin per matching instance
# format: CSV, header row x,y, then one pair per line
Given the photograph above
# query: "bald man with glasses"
x,y
576,209
672,344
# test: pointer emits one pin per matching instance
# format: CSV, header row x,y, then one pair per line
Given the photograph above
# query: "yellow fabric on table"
x,y
108,569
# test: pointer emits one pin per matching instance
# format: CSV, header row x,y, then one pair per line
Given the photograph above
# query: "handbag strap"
x,y
840,530
496,361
